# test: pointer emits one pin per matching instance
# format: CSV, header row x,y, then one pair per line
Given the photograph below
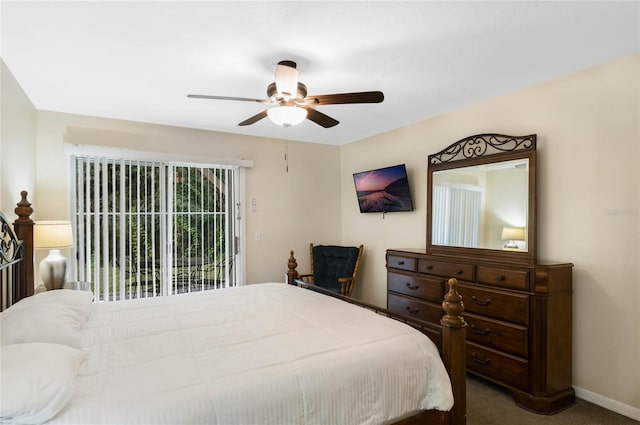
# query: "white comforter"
x,y
259,354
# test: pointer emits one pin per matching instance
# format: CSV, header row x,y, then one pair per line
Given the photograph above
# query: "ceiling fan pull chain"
x,y
286,157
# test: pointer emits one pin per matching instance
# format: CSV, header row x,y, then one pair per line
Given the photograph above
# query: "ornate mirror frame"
x,y
483,149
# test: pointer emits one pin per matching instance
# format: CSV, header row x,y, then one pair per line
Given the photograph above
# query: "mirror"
x,y
481,198
474,206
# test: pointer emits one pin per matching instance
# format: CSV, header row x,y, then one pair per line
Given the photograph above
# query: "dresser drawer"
x,y
500,305
507,369
402,263
430,289
442,268
506,278
411,307
501,336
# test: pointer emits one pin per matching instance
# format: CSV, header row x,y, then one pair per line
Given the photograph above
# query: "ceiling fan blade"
x,y
244,99
254,119
342,98
321,119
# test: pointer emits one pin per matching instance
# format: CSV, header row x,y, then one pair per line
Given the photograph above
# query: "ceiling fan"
x,y
290,104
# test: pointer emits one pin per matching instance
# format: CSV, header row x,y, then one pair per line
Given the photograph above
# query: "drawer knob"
x,y
481,361
429,267
413,288
482,303
401,263
499,278
413,311
459,271
475,329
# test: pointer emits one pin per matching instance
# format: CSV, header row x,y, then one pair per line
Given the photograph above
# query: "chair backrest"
x,y
330,262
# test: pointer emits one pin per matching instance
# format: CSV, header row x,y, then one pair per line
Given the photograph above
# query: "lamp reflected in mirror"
x,y
513,235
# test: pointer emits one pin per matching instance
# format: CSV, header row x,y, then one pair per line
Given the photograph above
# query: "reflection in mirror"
x,y
482,206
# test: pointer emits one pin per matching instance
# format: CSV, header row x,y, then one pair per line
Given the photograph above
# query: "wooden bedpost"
x,y
23,227
453,351
292,273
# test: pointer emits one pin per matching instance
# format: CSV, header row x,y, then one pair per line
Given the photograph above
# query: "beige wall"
x,y
506,203
18,121
588,207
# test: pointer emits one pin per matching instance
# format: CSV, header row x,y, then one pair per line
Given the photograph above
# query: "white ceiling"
x,y
138,60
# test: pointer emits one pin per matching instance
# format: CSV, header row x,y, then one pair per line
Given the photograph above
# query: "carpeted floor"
x,y
488,404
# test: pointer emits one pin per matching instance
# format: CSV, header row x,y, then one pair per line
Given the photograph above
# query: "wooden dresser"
x,y
518,316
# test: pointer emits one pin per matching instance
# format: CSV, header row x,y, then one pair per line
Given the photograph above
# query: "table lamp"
x,y
53,235
512,234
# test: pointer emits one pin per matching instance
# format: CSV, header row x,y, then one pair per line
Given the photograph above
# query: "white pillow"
x,y
42,322
37,381
80,300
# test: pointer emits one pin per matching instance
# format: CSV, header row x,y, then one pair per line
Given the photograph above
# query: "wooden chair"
x,y
334,267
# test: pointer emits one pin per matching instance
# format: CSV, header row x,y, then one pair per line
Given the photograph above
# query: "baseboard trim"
x,y
607,403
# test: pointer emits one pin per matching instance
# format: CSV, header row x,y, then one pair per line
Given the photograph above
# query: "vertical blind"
x,y
456,216
151,228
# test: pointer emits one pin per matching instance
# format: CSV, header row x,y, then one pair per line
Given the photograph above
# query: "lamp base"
x,y
53,270
510,244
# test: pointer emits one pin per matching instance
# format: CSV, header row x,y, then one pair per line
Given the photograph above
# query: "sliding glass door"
x,y
149,228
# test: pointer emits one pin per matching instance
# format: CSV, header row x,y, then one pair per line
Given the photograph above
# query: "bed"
x,y
271,353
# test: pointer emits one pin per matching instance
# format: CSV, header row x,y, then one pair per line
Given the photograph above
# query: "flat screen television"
x,y
383,190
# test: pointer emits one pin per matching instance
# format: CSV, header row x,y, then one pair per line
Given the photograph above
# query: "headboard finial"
x,y
24,210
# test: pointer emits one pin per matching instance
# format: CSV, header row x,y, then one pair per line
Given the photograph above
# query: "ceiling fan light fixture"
x,y
287,116
289,105
286,77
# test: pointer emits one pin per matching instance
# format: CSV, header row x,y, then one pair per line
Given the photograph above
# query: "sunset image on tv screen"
x,y
383,190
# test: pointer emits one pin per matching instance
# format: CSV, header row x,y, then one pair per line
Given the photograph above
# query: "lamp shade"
x,y
286,79
52,235
287,116
513,233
